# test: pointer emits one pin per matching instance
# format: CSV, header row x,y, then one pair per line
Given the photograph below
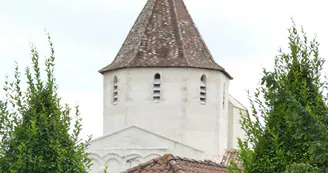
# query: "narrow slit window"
x,y
115,90
223,98
157,88
203,89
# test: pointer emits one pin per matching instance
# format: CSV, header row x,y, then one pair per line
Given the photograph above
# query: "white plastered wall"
x,y
234,126
132,146
179,115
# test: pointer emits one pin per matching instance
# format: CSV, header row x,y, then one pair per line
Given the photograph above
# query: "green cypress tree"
x,y
38,135
286,130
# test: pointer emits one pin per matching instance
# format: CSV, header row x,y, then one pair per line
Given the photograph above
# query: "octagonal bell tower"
x,y
165,80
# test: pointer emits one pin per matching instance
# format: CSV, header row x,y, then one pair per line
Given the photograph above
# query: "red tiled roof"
x,y
231,155
171,164
164,35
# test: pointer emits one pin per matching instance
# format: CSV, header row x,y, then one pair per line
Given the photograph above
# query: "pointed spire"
x,y
164,35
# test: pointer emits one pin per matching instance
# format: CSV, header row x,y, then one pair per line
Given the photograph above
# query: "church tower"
x,y
164,81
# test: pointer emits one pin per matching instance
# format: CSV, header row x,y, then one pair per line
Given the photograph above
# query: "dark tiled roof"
x,y
164,35
171,164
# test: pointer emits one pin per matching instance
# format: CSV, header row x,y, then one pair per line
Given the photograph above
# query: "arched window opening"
x,y
157,88
203,89
115,90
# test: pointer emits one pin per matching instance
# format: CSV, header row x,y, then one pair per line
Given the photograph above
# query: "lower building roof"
x,y
173,164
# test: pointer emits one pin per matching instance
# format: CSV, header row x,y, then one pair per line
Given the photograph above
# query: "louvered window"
x,y
157,88
203,89
115,90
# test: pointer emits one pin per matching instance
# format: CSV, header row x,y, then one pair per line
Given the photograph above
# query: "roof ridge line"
x,y
199,35
179,32
140,41
130,31
204,162
172,160
148,23
238,102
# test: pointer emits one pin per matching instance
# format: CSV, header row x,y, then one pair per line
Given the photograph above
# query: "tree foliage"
x,y
37,133
287,127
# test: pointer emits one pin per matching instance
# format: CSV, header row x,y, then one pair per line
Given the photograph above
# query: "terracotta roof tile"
x,y
231,155
171,164
164,35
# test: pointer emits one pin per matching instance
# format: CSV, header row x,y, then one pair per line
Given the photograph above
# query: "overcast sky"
x,y
243,36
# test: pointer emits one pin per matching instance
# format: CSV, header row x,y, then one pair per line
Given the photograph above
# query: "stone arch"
x,y
112,156
150,156
113,165
132,155
157,76
95,156
113,161
96,161
203,78
132,160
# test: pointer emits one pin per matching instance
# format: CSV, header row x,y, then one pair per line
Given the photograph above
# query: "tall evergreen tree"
x,y
37,133
287,127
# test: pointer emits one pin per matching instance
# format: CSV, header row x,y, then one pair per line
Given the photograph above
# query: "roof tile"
x,y
164,35
171,164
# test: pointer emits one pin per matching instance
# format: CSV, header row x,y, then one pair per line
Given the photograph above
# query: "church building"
x,y
164,93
